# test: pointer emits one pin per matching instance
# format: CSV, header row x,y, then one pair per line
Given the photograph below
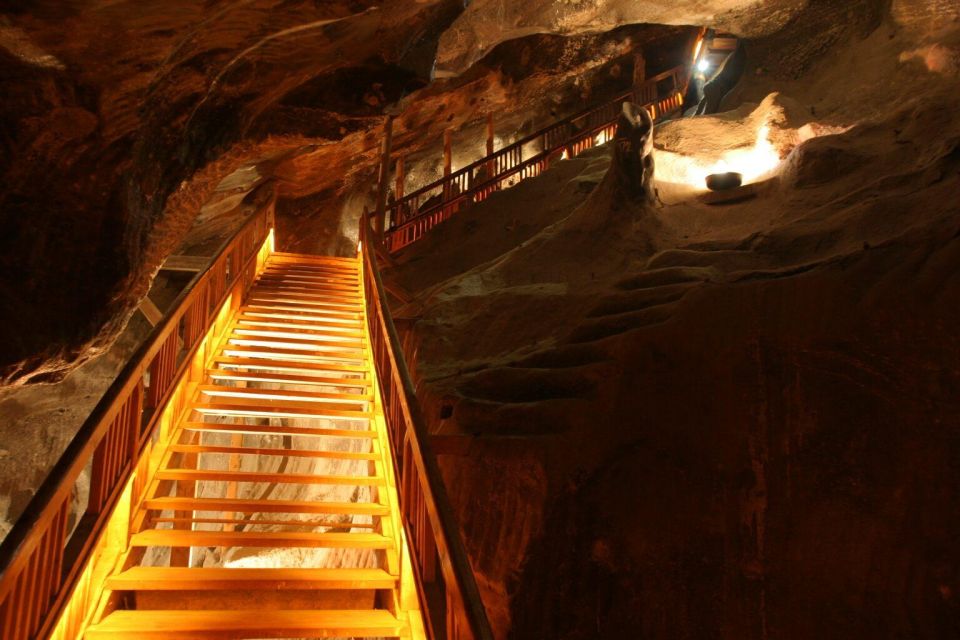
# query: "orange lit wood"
x,y
176,625
166,578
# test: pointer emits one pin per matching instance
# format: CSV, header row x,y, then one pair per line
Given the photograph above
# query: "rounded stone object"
x,y
724,181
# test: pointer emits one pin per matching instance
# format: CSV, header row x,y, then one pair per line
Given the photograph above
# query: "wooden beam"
x,y
378,223
192,264
150,312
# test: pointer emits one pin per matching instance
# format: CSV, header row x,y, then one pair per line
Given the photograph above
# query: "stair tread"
x,y
234,427
286,378
214,475
305,396
256,407
277,539
264,506
266,451
177,578
261,624
266,363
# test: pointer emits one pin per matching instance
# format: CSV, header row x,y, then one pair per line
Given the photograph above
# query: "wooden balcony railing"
x,y
413,215
445,579
45,567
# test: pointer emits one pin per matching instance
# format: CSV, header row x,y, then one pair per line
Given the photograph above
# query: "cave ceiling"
x,y
118,120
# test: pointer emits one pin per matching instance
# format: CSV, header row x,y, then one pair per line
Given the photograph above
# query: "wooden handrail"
x,y
451,597
409,219
40,560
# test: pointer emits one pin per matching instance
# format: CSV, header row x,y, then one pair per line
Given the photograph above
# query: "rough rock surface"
x,y
119,119
728,421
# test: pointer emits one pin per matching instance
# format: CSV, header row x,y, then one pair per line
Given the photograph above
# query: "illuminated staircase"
x,y
273,513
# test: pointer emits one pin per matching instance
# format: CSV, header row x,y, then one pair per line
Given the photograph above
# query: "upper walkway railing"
x,y
416,213
43,557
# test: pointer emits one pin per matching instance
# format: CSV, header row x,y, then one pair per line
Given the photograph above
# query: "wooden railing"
x,y
413,215
445,579
44,565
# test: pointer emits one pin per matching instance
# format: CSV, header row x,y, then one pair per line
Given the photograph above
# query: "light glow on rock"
x,y
755,163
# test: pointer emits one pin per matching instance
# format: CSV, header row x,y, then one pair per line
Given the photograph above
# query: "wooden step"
x,y
214,475
280,409
189,625
308,523
305,326
330,316
307,343
267,451
310,271
312,258
285,378
273,539
265,506
179,579
294,355
299,280
340,307
279,430
318,396
331,289
336,319
298,366
298,336
319,294
309,291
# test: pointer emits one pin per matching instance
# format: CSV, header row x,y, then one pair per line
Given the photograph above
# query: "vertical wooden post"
x,y
384,173
639,70
490,134
447,153
401,175
447,166
490,164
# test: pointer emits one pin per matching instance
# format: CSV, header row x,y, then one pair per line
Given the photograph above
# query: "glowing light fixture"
x,y
703,65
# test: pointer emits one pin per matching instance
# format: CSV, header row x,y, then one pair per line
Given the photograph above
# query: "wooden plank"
x,y
279,539
214,389
283,378
150,311
191,264
352,289
292,355
301,367
267,451
314,412
311,258
265,506
325,311
312,275
177,579
234,522
305,339
318,301
352,338
234,403
214,475
281,324
233,427
335,321
183,625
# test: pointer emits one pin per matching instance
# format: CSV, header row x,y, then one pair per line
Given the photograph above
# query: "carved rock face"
x,y
633,151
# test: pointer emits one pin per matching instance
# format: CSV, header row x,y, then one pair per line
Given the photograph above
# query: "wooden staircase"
x,y
273,513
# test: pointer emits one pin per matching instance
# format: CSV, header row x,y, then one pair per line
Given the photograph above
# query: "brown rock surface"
x,y
736,421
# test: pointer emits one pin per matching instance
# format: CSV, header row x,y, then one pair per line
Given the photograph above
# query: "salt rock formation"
x,y
726,421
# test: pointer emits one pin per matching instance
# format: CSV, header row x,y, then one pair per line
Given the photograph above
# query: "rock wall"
x,y
734,421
